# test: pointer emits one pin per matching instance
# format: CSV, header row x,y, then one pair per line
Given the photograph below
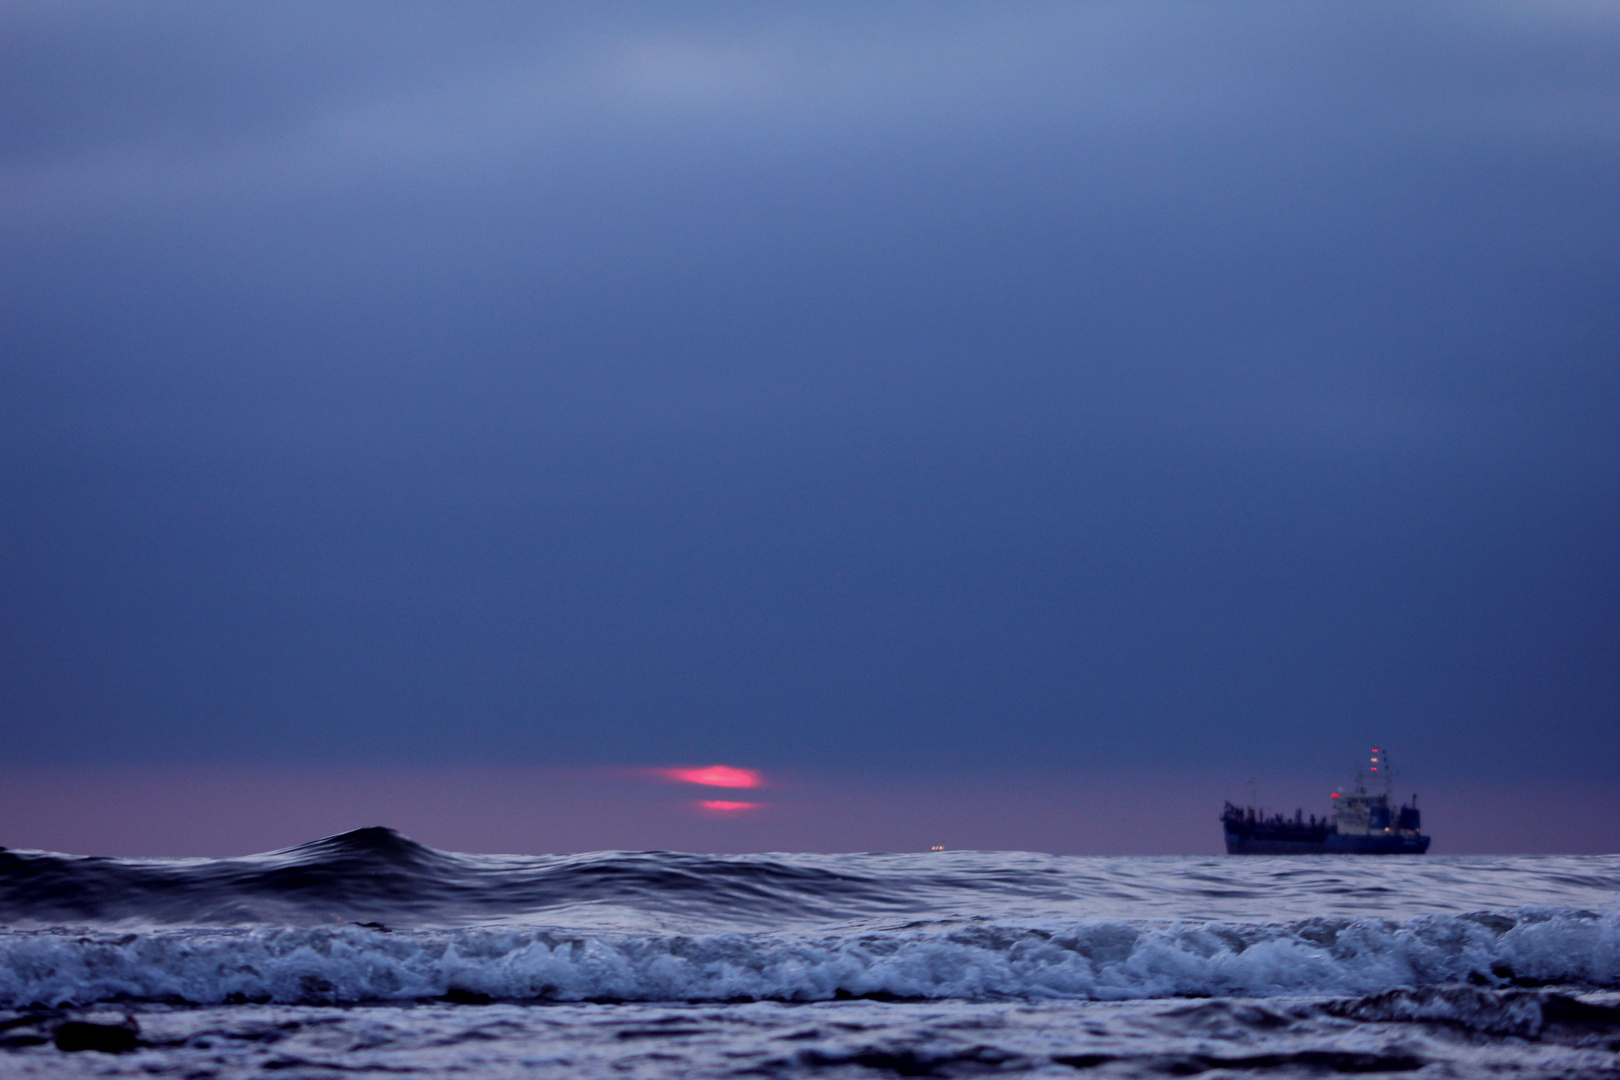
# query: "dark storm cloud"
x,y
925,385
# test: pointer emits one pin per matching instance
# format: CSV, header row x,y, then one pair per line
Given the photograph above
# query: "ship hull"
x,y
1247,843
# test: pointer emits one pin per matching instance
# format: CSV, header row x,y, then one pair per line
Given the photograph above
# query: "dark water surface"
x,y
369,953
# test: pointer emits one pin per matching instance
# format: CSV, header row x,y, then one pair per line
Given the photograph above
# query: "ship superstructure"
x,y
1362,822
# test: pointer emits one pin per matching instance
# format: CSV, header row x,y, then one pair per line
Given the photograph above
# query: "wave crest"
x,y
378,874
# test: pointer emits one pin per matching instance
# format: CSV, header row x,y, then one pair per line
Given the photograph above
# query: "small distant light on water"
x,y
937,847
716,776
1335,795
724,806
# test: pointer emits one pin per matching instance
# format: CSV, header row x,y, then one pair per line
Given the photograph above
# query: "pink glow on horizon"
x,y
716,776
723,806
232,810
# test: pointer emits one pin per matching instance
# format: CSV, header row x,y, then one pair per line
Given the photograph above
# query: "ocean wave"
x,y
378,874
976,959
371,916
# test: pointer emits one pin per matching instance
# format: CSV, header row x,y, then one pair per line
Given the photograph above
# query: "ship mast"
x,y
1380,764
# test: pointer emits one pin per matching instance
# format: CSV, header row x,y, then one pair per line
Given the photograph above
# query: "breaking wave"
x,y
371,916
975,959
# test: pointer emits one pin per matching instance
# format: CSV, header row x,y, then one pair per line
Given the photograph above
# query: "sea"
x,y
368,954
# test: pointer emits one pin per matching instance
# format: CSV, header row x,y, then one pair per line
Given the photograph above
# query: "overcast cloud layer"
x,y
903,387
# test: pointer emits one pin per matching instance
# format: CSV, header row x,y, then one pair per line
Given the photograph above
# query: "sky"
x,y
932,398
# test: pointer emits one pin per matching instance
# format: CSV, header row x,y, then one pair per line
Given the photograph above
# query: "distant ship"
x,y
1361,824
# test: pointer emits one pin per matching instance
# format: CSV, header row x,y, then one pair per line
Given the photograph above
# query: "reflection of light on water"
x,y
725,807
716,776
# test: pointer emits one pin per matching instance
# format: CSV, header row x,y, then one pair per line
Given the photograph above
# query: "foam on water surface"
x,y
951,963
972,960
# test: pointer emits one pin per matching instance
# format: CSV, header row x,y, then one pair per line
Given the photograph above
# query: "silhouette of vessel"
x,y
1361,823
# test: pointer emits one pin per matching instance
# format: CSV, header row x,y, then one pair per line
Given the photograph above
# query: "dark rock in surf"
x,y
108,1038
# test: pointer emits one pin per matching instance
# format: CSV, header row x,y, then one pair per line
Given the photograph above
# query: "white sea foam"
x,y
971,960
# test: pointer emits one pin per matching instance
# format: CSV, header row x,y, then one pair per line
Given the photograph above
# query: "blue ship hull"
x,y
1277,842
